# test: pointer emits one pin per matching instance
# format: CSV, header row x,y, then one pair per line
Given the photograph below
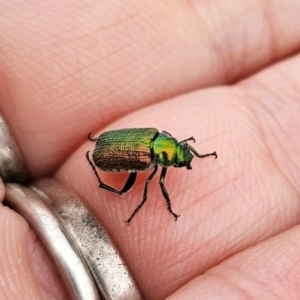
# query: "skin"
x,y
225,72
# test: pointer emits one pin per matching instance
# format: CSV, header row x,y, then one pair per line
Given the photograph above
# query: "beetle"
x,y
139,149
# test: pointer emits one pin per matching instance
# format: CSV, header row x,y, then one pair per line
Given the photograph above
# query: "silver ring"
x,y
12,167
90,265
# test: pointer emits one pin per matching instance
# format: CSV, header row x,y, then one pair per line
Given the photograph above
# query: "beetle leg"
x,y
165,193
128,185
91,139
203,155
189,139
144,196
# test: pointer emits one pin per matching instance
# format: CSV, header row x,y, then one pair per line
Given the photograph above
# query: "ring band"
x,y
12,167
52,233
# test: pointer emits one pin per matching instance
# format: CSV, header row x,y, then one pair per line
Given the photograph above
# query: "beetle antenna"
x,y
203,155
189,139
91,139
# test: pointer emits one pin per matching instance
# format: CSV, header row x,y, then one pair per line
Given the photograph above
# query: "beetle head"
x,y
184,156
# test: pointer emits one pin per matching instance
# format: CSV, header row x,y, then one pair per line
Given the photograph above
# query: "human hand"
x,y
208,70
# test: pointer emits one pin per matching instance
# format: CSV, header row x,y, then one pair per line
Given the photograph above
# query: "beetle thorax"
x,y
164,150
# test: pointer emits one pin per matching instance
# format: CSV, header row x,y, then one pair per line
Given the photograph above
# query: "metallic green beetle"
x,y
139,149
